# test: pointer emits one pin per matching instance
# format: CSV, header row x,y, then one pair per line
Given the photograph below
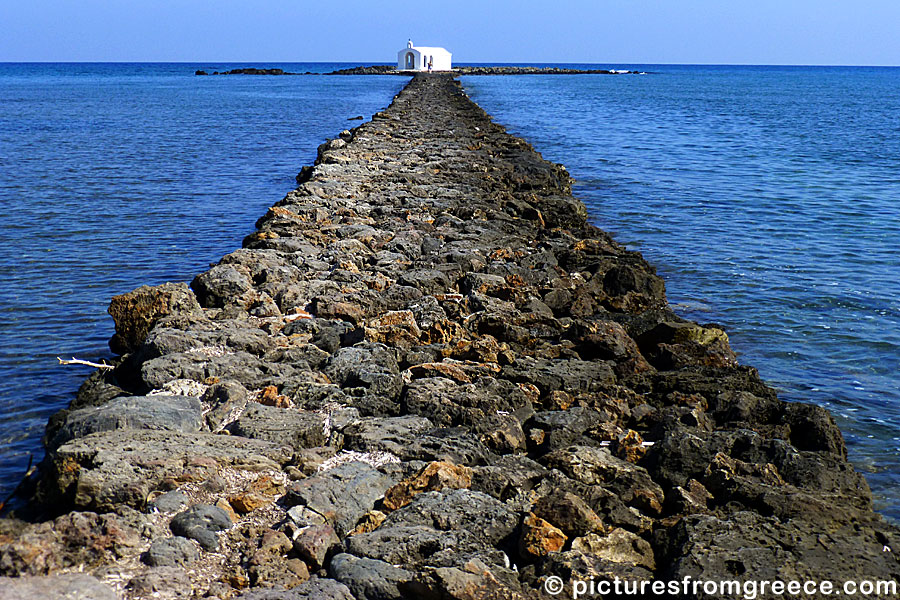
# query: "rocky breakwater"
x,y
425,375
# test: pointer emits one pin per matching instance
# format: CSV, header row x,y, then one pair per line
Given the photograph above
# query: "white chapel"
x,y
418,58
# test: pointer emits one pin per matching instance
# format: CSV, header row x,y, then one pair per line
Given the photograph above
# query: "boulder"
x,y
342,495
201,523
171,552
478,513
135,313
370,579
158,413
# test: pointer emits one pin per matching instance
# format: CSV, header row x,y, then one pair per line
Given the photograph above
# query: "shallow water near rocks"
x,y
766,196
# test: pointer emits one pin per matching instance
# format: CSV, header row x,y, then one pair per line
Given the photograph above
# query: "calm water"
x,y
767,197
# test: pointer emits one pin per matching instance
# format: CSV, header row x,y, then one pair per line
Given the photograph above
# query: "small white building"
x,y
419,58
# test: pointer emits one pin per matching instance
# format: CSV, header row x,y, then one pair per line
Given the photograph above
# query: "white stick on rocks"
x,y
76,361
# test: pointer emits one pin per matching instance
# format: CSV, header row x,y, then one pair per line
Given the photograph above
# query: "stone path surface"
x,y
425,375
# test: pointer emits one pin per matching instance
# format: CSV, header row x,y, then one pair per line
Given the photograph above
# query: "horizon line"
x,y
459,63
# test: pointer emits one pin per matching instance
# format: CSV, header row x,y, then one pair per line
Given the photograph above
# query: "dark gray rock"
x,y
317,588
107,470
448,404
450,444
158,412
414,546
563,428
598,467
220,285
342,495
569,375
369,579
169,502
750,546
246,369
201,522
478,513
171,552
166,583
429,281
281,425
372,367
387,434
507,477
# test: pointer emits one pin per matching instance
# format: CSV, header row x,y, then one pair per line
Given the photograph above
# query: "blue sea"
x,y
768,198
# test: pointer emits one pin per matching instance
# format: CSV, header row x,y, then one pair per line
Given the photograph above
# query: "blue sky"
x,y
860,32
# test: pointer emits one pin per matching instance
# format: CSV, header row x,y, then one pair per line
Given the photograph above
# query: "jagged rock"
x,y
568,512
561,428
317,588
135,313
539,538
448,404
473,581
449,444
507,477
750,546
369,366
433,478
412,546
242,367
342,495
618,546
431,292
220,285
597,466
70,540
227,400
386,434
166,583
268,565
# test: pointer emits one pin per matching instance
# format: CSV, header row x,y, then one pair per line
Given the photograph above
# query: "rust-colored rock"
x,y
630,446
370,521
540,538
269,396
448,370
136,312
436,476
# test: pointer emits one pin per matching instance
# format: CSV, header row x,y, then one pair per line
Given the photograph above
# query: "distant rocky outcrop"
x,y
484,70
249,71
